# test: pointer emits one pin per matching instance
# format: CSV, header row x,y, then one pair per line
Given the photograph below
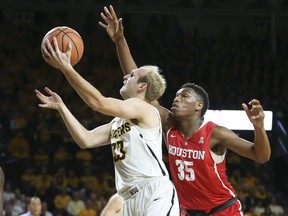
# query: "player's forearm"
x,y
262,145
126,60
89,94
75,128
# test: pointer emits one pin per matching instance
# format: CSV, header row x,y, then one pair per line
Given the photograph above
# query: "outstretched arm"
x,y
261,143
129,109
259,150
83,137
115,30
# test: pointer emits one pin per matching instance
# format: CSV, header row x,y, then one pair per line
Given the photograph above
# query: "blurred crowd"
x,y
39,156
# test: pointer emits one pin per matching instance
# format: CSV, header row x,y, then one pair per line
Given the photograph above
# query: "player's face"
x,y
130,83
185,103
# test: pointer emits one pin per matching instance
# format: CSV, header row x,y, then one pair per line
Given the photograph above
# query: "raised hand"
x,y
256,113
113,26
53,101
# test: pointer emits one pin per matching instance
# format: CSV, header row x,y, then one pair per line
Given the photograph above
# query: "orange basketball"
x,y
64,35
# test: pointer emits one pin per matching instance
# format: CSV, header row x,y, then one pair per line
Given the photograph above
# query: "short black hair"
x,y
200,92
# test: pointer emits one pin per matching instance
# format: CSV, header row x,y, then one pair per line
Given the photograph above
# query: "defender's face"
x,y
185,103
130,83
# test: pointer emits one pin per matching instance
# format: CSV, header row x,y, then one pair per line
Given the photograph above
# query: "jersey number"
x,y
185,170
119,152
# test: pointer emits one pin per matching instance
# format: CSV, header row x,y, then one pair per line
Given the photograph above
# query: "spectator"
x,y
73,181
251,200
274,208
61,201
34,207
14,208
61,178
61,156
45,211
84,156
8,194
20,199
51,193
28,181
75,205
88,180
19,146
88,210
42,181
259,209
41,157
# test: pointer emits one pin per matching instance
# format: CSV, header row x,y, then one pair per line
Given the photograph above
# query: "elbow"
x,y
264,158
96,105
267,158
81,145
262,161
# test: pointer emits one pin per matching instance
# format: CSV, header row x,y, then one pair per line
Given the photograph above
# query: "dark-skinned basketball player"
x,y
197,149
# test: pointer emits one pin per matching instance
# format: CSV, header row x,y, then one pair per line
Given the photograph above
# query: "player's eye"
x,y
185,95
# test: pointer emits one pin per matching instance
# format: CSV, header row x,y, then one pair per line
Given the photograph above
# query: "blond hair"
x,y
156,83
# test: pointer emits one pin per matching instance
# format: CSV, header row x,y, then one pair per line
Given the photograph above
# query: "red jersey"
x,y
198,174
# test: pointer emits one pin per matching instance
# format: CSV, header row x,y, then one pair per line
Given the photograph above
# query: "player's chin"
x,y
175,111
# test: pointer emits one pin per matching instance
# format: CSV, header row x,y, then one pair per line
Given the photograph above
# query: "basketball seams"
x,y
71,39
51,32
64,35
62,41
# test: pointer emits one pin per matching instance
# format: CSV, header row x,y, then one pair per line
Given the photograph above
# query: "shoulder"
x,y
209,124
221,131
139,105
223,136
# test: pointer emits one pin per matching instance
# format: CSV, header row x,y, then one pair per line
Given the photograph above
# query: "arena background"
x,y
235,49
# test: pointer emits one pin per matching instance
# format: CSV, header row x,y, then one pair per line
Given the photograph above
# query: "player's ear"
x,y
199,105
142,86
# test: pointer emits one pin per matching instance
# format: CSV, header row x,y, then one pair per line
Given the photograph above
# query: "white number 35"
x,y
185,170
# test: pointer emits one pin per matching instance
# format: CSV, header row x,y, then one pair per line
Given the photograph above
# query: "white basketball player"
x,y
135,134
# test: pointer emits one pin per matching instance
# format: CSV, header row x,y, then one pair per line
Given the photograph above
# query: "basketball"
x,y
64,35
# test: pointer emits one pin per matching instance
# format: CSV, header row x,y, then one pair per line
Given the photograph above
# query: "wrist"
x,y
61,107
67,69
120,41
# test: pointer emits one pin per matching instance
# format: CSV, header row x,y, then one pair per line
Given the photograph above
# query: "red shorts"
x,y
235,210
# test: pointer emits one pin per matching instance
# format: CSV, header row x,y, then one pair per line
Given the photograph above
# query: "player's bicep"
x,y
133,108
227,138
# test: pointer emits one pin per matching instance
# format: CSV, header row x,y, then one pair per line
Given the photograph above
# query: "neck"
x,y
188,126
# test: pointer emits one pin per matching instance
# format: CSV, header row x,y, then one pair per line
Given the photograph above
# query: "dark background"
x,y
235,49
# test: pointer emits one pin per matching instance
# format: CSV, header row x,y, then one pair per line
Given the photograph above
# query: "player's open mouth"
x,y
174,106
